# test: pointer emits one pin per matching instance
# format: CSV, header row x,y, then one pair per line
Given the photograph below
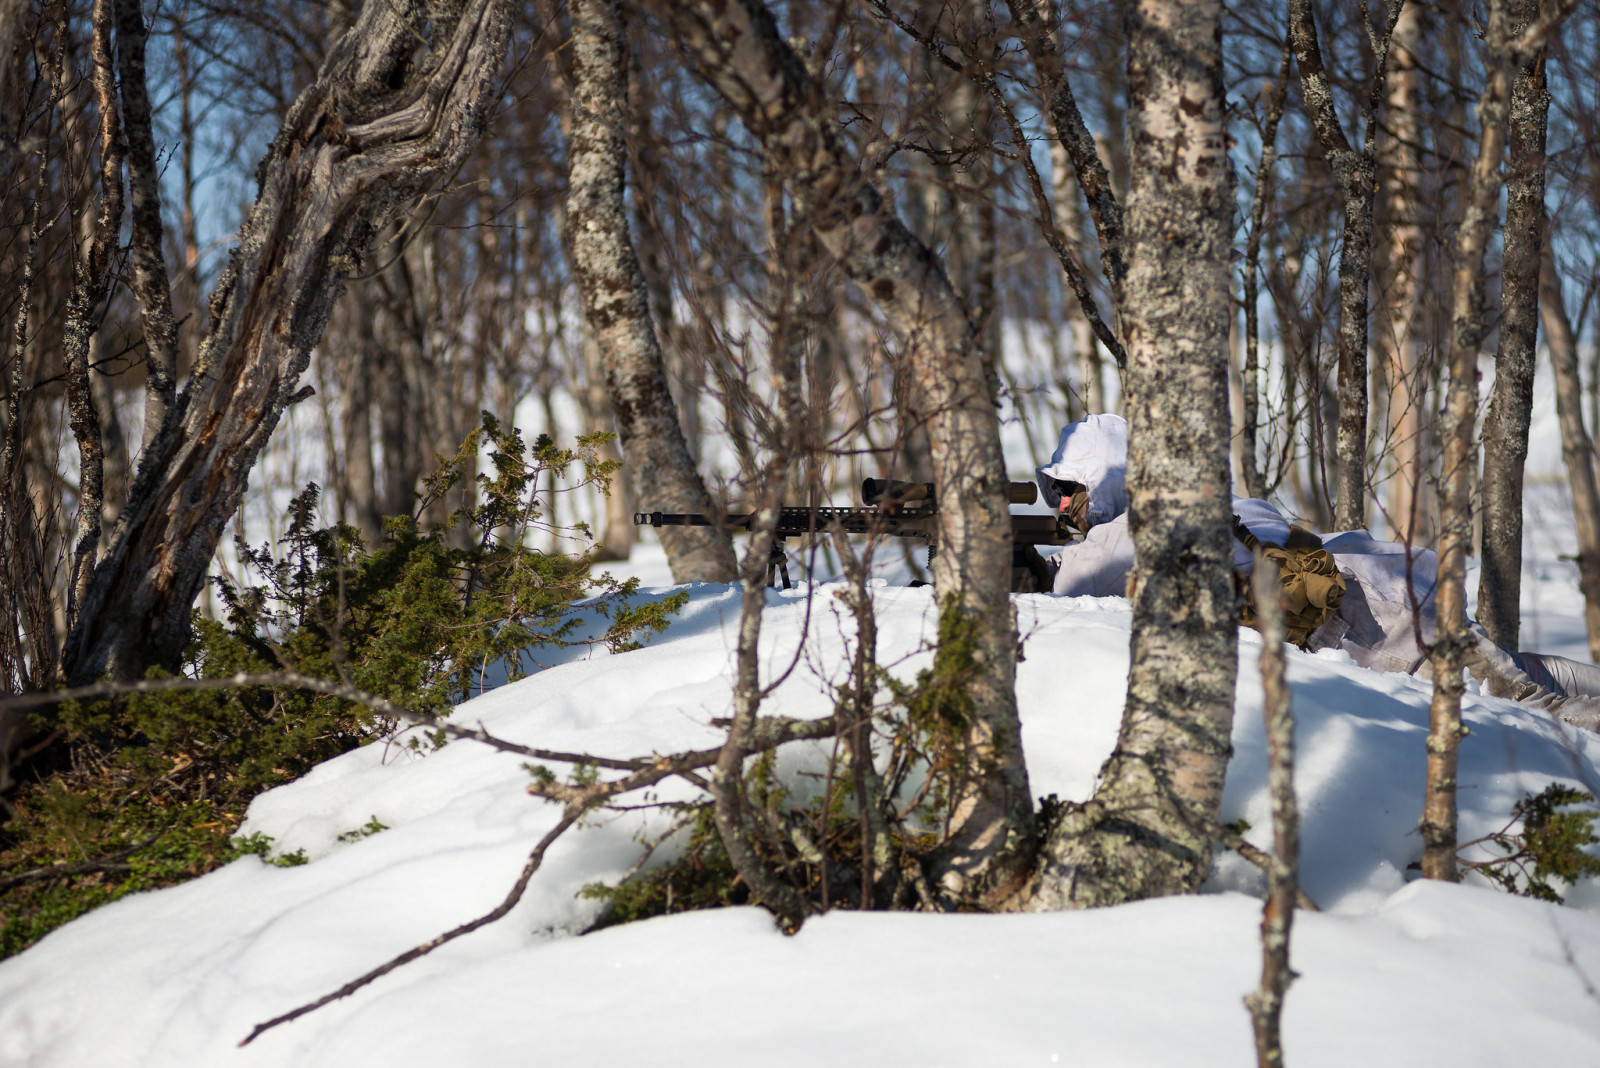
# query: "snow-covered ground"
x,y
1392,972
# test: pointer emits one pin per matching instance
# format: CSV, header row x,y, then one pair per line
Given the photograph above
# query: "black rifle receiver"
x,y
898,510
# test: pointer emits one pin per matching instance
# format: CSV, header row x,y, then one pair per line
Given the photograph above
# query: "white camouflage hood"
x,y
1095,453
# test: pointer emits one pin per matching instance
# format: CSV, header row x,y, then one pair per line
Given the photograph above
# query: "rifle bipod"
x,y
778,563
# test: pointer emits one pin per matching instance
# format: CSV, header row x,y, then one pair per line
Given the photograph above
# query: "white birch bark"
x,y
1149,828
616,304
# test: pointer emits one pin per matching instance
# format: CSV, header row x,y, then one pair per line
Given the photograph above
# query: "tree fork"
x,y
90,285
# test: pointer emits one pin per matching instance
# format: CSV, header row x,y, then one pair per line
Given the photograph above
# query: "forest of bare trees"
x,y
774,248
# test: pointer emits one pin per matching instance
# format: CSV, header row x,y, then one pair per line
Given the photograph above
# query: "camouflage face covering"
x,y
1311,587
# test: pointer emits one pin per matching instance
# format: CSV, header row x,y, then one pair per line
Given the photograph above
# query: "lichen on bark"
x,y
1149,828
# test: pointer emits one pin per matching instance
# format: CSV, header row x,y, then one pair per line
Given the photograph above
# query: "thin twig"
x,y
568,818
109,862
1263,860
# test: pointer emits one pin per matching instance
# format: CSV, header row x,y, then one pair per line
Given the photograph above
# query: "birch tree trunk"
x,y
616,302
740,54
1576,447
1505,428
1249,445
395,108
1438,823
1407,390
1149,828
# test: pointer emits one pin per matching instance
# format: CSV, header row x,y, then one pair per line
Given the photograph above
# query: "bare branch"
x,y
570,816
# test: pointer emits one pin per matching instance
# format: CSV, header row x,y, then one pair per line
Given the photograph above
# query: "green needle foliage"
x,y
147,790
1557,827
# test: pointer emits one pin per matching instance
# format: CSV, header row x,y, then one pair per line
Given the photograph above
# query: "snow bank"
x,y
178,976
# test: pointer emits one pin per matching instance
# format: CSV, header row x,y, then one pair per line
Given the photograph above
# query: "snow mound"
x,y
177,977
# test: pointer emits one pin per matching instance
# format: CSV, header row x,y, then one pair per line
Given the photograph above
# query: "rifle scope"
x,y
876,490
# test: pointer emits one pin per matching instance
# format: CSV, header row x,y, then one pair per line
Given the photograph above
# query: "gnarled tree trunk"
x,y
1149,828
396,106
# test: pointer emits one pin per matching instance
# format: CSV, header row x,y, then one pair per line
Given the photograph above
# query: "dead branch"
x,y
570,816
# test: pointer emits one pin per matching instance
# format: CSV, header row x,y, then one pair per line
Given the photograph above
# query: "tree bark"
x,y
740,54
616,302
1283,885
1355,173
1091,371
1148,831
149,282
1505,428
1401,180
383,122
1447,657
91,281
1576,447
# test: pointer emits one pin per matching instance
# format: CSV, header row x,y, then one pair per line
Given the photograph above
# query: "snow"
x,y
1390,971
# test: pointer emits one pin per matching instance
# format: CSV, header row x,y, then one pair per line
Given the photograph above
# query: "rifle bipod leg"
x,y
778,563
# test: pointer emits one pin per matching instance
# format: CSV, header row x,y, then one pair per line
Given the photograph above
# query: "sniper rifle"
x,y
898,510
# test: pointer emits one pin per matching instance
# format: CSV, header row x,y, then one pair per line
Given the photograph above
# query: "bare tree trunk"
x,y
616,304
739,52
150,286
1148,831
1576,447
29,638
1438,824
11,16
382,123
358,476
1505,428
91,282
1407,391
188,231
1355,174
1091,372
